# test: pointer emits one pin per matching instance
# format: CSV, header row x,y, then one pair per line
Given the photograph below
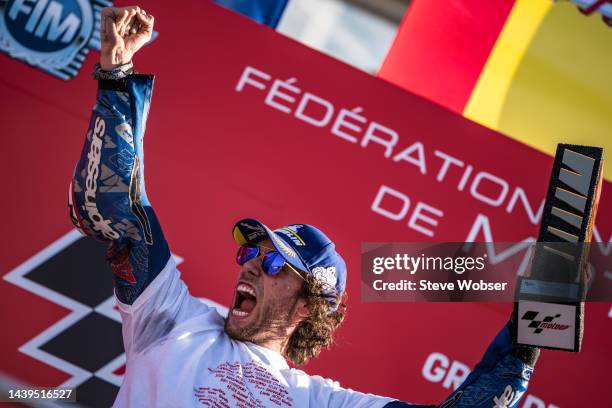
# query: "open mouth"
x,y
244,301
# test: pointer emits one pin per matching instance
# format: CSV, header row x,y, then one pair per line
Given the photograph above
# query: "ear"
x,y
301,310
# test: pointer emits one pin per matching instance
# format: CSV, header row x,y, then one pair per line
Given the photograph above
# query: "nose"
x,y
252,267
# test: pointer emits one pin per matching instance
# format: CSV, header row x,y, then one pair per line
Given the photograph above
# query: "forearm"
x,y
107,194
500,379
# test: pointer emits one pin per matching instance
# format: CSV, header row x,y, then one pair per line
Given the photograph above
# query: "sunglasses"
x,y
272,261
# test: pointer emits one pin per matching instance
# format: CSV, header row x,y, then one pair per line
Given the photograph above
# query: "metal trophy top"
x,y
550,308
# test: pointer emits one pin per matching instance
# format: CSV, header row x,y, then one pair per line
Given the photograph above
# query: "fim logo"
x,y
546,323
52,35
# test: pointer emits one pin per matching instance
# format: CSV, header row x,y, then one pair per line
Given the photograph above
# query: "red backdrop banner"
x,y
245,122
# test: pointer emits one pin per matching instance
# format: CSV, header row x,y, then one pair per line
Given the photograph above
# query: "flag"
x,y
536,70
268,12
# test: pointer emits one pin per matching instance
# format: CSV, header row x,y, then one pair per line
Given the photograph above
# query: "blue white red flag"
x,y
268,12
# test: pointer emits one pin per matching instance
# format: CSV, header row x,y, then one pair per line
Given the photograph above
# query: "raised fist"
x,y
123,31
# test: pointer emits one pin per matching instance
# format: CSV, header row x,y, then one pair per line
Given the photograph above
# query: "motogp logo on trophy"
x,y
545,323
53,35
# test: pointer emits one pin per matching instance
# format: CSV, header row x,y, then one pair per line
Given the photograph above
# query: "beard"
x,y
272,323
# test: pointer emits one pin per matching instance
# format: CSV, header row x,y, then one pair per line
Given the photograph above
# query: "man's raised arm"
x,y
499,380
107,197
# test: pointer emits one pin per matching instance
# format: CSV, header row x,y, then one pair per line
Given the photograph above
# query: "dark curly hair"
x,y
316,331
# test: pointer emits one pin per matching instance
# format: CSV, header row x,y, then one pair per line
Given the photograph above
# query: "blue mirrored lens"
x,y
272,263
246,253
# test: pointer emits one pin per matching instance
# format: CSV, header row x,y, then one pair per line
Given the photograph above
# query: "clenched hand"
x,y
123,31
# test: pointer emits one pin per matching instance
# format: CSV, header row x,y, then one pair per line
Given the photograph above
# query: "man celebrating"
x,y
288,296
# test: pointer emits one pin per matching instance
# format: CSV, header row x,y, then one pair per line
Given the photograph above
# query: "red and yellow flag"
x,y
536,70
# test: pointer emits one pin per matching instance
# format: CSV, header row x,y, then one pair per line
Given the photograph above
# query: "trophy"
x,y
549,307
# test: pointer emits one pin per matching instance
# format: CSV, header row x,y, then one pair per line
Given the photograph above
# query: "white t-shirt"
x,y
178,355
